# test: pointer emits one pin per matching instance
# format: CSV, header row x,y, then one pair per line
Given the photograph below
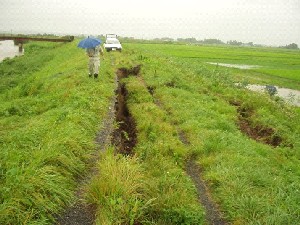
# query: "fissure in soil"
x,y
125,137
257,132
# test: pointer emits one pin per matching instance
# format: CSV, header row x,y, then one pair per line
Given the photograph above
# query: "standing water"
x,y
8,50
289,95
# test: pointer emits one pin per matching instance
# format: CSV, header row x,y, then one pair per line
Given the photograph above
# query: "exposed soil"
x,y
183,138
170,84
151,90
125,72
125,137
78,214
257,132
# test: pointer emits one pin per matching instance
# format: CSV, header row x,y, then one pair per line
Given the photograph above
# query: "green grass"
x,y
277,66
49,115
252,182
51,111
152,187
118,190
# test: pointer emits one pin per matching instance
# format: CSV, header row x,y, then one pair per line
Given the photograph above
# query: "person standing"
x,y
94,60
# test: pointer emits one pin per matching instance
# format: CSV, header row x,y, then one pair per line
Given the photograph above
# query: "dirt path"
x,y
80,213
213,215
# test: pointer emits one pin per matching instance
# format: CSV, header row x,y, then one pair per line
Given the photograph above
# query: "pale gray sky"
x,y
272,22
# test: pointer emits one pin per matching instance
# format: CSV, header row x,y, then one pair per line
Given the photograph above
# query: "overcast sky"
x,y
271,22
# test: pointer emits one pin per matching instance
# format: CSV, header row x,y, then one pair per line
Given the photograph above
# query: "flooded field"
x,y
8,50
289,95
238,66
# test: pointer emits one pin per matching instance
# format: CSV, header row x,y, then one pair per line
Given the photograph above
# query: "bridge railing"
x,y
22,37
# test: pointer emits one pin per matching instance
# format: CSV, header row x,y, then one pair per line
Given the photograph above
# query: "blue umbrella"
x,y
89,42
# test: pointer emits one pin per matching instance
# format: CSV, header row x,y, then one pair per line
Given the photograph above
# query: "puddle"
x,y
289,95
8,50
238,66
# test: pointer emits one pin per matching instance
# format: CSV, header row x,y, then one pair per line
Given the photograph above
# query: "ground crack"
x,y
261,133
125,137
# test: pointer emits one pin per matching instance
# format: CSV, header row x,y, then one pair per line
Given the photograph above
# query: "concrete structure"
x,y
21,39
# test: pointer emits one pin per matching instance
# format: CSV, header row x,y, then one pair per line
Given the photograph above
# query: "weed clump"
x,y
118,191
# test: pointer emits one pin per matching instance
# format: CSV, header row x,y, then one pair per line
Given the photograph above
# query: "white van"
x,y
112,43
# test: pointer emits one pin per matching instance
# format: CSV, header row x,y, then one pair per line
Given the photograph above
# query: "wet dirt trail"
x,y
212,212
80,213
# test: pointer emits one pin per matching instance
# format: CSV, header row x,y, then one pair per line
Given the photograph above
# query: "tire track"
x,y
81,213
213,214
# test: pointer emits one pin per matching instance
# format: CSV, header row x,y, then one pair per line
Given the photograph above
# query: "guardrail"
x,y
22,38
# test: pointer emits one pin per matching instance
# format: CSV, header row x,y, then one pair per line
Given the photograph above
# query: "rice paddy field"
x,y
274,65
195,148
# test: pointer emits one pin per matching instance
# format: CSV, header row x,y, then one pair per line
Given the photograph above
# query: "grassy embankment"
x,y
150,187
49,114
252,182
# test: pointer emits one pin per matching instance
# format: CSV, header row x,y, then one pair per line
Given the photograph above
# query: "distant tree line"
x,y
191,40
210,41
239,43
290,46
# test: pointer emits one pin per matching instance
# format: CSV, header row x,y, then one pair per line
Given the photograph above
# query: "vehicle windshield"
x,y
112,41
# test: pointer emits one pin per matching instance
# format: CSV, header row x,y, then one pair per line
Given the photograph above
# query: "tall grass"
x,y
118,190
151,187
49,115
252,182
